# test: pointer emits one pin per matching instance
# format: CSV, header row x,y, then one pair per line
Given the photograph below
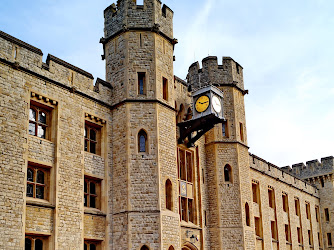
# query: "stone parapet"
x,y
229,73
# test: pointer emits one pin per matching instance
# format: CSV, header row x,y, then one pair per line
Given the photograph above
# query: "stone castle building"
x,y
101,165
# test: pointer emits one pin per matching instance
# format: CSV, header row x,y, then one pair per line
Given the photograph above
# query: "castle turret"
x,y
227,169
138,49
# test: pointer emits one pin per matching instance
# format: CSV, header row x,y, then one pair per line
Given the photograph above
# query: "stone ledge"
x,y
36,203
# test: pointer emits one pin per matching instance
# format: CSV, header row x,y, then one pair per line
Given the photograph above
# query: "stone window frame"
x,y
271,197
229,173
88,180
285,202
33,239
327,214
42,103
169,194
165,89
145,80
46,185
256,190
97,124
40,108
189,200
142,133
308,210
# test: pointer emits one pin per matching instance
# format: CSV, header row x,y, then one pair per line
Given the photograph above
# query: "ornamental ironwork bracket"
x,y
198,127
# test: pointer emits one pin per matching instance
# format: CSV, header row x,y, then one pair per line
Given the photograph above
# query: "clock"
x,y
202,103
216,104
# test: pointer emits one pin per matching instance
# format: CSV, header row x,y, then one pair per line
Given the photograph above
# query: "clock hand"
x,y
203,102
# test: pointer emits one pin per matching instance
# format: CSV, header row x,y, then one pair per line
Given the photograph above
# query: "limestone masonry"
x,y
96,164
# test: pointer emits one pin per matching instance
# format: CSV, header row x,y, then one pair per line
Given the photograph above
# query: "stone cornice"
x,y
68,65
20,43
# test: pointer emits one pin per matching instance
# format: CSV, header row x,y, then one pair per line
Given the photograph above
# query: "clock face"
x,y
216,104
202,103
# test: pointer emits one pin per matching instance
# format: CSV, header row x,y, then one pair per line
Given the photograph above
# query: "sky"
x,y
285,47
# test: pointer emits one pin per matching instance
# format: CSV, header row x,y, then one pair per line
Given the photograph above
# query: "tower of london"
x,y
143,159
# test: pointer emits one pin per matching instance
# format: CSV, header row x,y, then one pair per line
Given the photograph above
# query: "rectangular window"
x,y
241,132
287,233
165,88
225,129
317,213
92,138
271,198
310,238
273,230
297,207
92,192
326,214
37,182
329,239
205,218
285,202
255,190
141,83
186,179
39,121
308,213
258,229
299,235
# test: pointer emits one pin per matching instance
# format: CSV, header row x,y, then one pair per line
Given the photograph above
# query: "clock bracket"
x,y
193,129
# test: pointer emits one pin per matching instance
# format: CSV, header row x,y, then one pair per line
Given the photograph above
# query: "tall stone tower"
x,y
227,164
138,49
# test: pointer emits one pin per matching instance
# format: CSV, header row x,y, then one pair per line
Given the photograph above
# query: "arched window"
x,y
169,195
144,248
247,214
142,141
171,248
228,173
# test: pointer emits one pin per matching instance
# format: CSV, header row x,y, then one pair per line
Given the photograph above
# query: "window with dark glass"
x,y
228,173
38,122
90,245
37,179
329,239
247,214
225,128
144,248
142,141
308,213
92,138
326,214
92,192
34,243
297,207
299,235
141,83
258,226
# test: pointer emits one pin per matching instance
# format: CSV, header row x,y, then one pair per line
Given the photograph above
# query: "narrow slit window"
x,y
241,132
247,214
165,89
169,195
225,129
140,41
329,239
141,83
326,214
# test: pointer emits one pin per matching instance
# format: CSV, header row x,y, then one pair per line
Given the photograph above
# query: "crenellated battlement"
x,y
312,168
27,58
127,15
228,73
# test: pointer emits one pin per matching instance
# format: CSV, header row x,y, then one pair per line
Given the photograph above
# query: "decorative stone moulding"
x,y
94,118
45,99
